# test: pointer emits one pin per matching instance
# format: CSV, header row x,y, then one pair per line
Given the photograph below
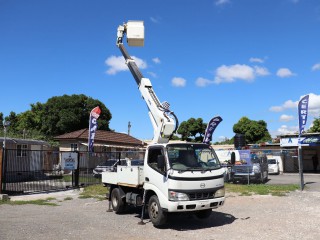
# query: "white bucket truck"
x,y
175,177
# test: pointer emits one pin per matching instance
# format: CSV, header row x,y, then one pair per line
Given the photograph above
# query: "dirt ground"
x,y
295,216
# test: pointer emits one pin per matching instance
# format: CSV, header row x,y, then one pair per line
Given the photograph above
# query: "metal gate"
x,y
29,171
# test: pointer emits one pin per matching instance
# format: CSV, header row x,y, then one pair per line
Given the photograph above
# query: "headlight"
x,y
177,196
219,193
256,169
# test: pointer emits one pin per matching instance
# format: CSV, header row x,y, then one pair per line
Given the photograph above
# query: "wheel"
x,y
117,203
203,214
156,214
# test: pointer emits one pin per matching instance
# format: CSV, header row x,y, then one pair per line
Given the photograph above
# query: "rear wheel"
x,y
118,204
156,214
203,214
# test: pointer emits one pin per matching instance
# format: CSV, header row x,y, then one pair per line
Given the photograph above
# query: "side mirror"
x,y
161,162
233,158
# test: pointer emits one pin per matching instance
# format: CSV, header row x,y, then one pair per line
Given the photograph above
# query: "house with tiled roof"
x,y
104,141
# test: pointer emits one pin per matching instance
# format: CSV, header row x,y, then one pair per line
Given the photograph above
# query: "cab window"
x,y
153,155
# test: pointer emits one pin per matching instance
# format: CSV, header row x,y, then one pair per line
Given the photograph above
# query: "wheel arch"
x,y
113,186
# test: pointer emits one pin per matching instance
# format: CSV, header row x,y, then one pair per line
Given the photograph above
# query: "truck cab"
x,y
180,174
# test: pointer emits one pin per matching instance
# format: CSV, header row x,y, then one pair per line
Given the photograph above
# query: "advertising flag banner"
x,y
303,113
214,122
93,125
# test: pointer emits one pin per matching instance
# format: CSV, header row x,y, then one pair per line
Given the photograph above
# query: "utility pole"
x,y
129,127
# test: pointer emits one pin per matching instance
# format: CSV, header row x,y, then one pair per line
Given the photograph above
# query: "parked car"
x,y
136,162
107,165
273,166
252,168
111,164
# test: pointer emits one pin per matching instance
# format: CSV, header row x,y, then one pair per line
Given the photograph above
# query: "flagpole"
x,y
300,164
303,114
89,133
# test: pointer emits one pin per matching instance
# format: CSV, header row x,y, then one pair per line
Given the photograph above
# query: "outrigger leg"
x,y
143,207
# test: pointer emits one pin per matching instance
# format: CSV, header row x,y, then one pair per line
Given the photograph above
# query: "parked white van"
x,y
274,164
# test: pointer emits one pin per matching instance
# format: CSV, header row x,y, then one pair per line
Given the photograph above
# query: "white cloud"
x,y
222,2
239,71
202,82
156,60
178,82
276,109
316,67
285,72
286,118
233,72
286,105
261,71
256,60
117,64
313,106
222,138
284,129
154,75
155,19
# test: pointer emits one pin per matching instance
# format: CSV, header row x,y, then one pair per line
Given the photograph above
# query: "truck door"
x,y
154,175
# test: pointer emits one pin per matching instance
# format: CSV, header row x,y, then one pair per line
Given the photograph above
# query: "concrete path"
x,y
311,181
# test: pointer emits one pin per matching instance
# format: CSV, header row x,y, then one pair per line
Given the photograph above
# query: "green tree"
x,y
315,126
192,129
60,114
13,119
254,131
69,113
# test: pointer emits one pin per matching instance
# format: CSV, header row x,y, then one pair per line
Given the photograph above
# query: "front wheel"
x,y
156,214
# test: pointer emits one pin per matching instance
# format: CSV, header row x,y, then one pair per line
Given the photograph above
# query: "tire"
x,y
118,204
156,214
203,214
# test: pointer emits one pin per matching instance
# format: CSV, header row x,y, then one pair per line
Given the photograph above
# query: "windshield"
x,y
272,161
192,157
108,163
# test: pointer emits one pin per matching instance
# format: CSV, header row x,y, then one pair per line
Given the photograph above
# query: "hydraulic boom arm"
x,y
163,120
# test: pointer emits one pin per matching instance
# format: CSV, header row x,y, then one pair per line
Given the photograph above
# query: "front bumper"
x,y
185,206
244,176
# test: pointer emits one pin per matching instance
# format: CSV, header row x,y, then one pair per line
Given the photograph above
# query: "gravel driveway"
x,y
295,216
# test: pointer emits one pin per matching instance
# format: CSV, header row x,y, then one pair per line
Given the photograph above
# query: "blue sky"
x,y
253,58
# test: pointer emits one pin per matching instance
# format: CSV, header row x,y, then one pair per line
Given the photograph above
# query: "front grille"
x,y
242,170
201,195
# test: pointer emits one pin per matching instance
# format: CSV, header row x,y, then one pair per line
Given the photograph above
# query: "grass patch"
x,y
50,198
68,198
97,191
261,189
36,202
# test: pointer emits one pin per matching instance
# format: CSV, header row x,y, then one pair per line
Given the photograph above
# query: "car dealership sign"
x,y
69,160
305,141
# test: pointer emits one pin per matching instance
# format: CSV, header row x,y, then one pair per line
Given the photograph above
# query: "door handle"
x,y
147,179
